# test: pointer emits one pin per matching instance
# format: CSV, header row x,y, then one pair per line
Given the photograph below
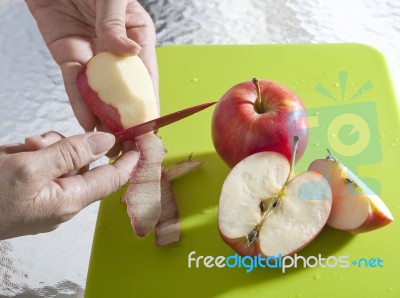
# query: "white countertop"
x,y
33,101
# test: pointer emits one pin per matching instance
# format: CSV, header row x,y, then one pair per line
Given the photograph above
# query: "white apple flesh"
x,y
355,207
265,209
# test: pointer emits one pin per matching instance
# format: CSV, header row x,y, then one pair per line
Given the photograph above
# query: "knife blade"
x,y
135,131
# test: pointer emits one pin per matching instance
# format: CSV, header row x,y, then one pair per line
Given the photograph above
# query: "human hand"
x,y
41,185
76,30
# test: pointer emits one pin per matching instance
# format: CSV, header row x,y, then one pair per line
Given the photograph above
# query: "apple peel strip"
x,y
168,226
143,196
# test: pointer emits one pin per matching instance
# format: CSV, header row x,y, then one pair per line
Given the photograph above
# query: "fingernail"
x,y
100,142
38,138
51,137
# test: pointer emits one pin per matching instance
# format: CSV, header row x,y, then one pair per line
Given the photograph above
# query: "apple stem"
x,y
258,104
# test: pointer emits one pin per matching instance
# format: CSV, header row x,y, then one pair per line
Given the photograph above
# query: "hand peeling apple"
x,y
119,91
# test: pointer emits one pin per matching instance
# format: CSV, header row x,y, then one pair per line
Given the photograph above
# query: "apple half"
x,y
355,207
265,209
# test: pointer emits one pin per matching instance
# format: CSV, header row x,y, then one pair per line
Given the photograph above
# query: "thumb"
x,y
111,29
72,153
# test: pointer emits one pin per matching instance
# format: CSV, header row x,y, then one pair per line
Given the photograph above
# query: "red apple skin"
x,y
240,246
375,220
106,113
238,130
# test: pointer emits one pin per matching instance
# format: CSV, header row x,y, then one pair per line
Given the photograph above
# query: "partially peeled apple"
x,y
355,208
266,209
119,91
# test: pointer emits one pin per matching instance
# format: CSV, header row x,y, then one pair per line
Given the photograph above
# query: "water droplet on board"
x,y
317,144
337,84
194,79
383,136
332,135
316,113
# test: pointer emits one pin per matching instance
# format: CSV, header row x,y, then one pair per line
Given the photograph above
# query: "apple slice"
x,y
118,90
264,208
355,207
143,197
168,227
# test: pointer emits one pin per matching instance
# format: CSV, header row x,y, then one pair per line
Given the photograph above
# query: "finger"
x,y
140,28
82,113
81,190
71,54
147,54
43,141
116,149
70,154
32,143
12,148
111,29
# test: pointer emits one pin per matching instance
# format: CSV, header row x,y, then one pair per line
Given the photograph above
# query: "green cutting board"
x,y
353,111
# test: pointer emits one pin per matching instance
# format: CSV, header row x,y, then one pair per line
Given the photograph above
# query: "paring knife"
x,y
135,131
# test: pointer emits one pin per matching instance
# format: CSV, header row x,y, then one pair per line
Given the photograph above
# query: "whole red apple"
x,y
256,116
